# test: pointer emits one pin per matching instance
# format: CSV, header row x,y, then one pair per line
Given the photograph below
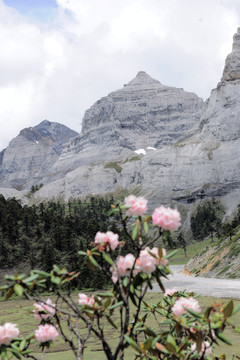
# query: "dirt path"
x,y
200,285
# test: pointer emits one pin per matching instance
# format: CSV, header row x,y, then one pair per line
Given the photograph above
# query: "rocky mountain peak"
x,y
142,80
232,64
32,153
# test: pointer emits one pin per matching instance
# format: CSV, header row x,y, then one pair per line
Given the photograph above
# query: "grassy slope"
x,y
193,250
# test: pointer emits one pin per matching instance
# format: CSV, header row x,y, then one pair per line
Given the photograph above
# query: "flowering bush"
x,y
174,328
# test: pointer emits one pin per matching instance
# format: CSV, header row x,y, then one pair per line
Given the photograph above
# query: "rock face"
x,y
32,153
144,113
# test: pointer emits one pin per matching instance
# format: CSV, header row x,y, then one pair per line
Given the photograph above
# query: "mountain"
x,y
161,140
32,154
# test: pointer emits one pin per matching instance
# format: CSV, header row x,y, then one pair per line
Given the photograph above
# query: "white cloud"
x,y
57,70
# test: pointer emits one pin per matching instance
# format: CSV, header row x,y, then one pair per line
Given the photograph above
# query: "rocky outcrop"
x,y
32,154
144,113
232,65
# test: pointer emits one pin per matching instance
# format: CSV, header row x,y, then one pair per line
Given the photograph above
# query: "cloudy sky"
x,y
57,57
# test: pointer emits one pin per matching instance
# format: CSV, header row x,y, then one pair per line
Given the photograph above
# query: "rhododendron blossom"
x,y
166,218
182,303
106,240
8,332
137,205
170,292
44,310
46,333
206,348
124,265
83,299
146,262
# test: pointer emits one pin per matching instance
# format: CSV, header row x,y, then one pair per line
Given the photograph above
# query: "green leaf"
x,y
222,337
15,352
160,252
207,312
237,330
120,303
131,342
107,258
82,252
171,254
107,303
93,261
194,313
55,280
125,281
41,273
109,319
135,232
148,343
104,295
236,309
18,289
10,277
170,348
31,278
146,227
22,345
160,283
228,309
9,293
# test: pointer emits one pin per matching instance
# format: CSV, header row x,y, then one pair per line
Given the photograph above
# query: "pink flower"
x,y
124,265
182,303
146,262
170,292
105,240
86,300
44,311
206,348
46,333
8,332
137,205
166,218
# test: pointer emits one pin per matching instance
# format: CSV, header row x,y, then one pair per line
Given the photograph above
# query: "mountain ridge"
x,y
189,149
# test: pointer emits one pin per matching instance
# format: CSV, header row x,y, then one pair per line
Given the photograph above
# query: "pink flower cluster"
x,y
137,205
206,348
46,333
179,307
146,262
166,218
106,240
8,332
149,259
83,300
124,265
170,292
44,310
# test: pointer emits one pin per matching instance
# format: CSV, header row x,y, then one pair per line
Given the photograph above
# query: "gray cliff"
x,y
32,154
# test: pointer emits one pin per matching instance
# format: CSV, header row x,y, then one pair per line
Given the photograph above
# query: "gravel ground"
x,y
203,286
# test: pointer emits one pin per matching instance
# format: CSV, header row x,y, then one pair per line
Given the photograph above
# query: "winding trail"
x,y
200,285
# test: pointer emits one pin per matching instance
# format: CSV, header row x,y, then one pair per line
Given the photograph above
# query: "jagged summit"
x,y
33,152
143,80
232,64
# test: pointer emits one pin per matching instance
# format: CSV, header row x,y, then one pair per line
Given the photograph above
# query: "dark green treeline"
x,y
53,233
